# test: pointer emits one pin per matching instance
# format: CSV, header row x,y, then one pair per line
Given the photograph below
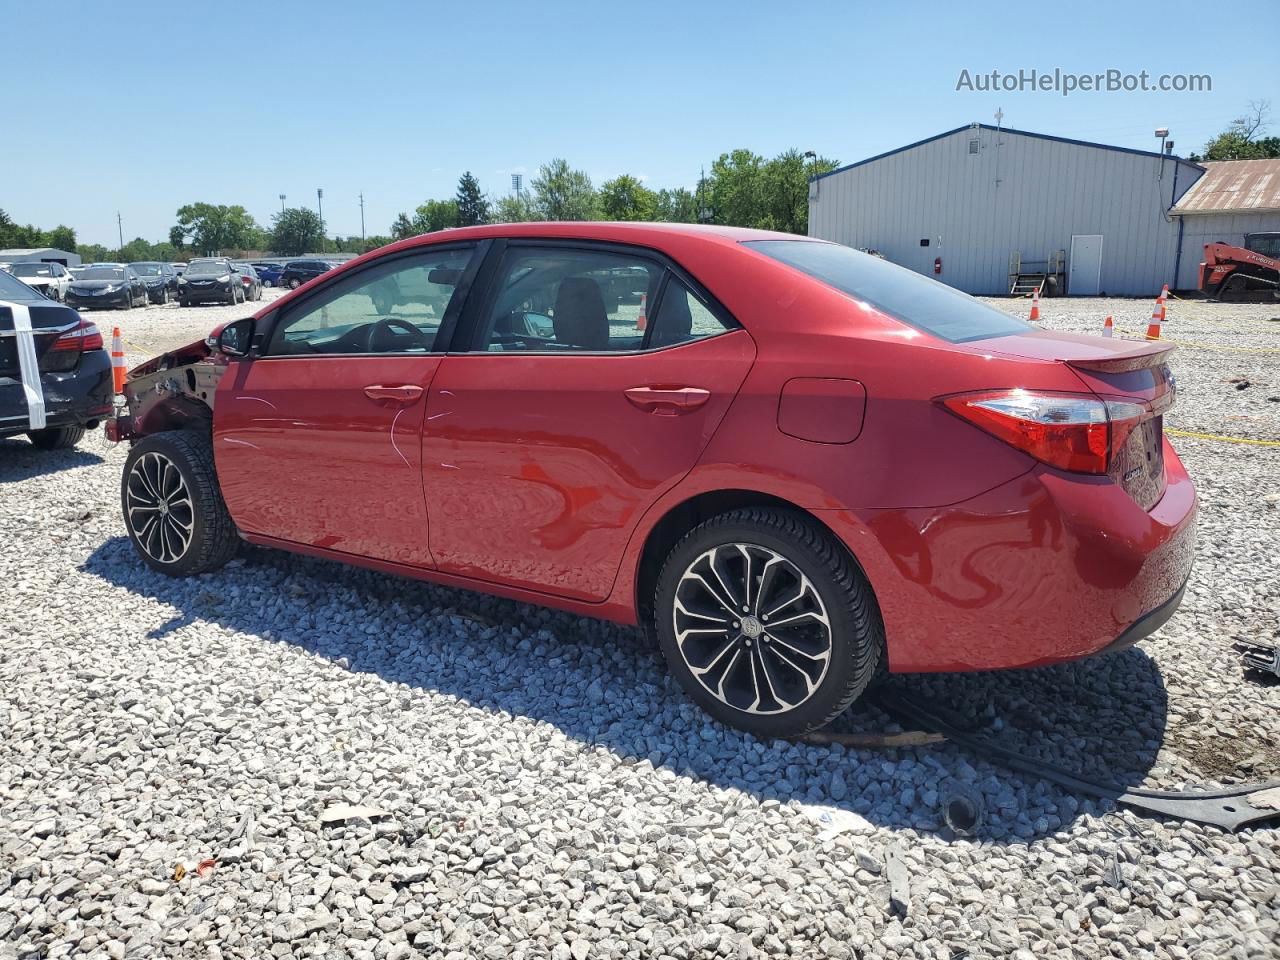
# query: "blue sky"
x,y
142,107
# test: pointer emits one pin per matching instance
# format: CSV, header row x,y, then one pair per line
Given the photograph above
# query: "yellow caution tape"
x,y
1214,436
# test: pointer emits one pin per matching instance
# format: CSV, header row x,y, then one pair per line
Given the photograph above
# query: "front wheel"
x,y
295,283
767,622
173,508
56,438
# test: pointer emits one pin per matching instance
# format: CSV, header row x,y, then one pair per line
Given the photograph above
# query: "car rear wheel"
x,y
767,622
56,438
173,508
295,283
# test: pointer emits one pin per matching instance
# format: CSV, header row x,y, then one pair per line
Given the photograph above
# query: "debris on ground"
x,y
1259,657
340,812
895,867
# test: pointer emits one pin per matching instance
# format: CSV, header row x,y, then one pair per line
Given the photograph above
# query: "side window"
x,y
552,299
394,307
682,318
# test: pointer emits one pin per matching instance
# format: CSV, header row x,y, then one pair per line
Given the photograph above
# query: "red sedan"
x,y
796,464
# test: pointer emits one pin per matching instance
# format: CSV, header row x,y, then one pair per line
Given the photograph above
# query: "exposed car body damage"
x,y
174,391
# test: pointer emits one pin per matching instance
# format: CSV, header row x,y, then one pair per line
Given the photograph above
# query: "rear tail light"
x,y
64,353
1070,431
84,337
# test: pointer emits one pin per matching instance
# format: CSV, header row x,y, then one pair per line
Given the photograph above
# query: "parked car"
x,y
51,279
178,267
210,279
809,468
269,273
160,279
106,285
72,378
298,272
249,277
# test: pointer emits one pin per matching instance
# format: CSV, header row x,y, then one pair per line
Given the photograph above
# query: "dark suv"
x,y
298,272
69,388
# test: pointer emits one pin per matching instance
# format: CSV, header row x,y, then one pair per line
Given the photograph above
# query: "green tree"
x,y
1243,140
735,189
63,238
562,193
473,208
209,228
785,190
435,215
514,208
95,253
6,231
675,206
296,231
626,198
402,229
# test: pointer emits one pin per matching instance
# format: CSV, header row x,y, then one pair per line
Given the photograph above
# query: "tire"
x,y
192,533
128,301
184,302
835,631
164,297
56,438
266,283
295,283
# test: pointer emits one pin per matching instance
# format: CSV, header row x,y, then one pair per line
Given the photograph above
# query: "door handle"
x,y
404,394
667,401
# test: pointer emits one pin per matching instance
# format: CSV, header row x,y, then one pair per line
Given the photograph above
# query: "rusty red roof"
x,y
1234,186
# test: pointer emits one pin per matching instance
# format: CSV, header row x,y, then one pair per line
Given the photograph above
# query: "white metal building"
x,y
977,205
41,255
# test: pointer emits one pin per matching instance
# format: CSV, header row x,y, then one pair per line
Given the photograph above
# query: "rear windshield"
x,y
146,269
102,273
198,268
910,297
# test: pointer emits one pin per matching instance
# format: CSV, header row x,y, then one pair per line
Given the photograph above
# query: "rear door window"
x,y
914,299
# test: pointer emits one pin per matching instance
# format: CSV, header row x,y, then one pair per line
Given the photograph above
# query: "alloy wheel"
x,y
751,628
159,509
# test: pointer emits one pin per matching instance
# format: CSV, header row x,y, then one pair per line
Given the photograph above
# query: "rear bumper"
x,y
1046,568
76,398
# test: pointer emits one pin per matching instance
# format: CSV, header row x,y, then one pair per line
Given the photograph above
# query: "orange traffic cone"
x,y
1108,328
1164,295
642,321
1157,318
1035,305
117,360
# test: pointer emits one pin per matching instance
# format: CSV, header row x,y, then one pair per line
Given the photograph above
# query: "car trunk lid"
x,y
1136,371
48,322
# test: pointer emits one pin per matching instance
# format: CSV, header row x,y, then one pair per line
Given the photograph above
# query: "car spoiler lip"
x,y
1150,355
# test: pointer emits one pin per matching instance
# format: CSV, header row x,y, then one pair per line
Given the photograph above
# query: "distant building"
x,y
40,255
977,206
1233,199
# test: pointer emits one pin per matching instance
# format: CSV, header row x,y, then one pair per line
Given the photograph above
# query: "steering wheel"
x,y
389,326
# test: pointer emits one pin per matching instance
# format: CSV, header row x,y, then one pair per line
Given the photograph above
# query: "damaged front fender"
x,y
173,391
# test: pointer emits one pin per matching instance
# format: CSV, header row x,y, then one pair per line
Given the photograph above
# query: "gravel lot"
x,y
535,784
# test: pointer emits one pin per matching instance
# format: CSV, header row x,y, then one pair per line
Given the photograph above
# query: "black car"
x,y
106,285
298,272
160,279
211,279
252,282
72,379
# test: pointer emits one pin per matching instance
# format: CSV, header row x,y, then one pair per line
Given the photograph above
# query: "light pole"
x,y
120,229
362,218
282,204
320,209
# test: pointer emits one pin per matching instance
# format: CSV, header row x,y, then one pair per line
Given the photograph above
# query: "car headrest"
x,y
580,319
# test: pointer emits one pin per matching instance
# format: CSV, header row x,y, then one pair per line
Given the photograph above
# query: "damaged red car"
x,y
799,466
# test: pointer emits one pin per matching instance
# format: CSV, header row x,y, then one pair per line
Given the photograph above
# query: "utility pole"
x,y
120,229
362,218
282,204
320,208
